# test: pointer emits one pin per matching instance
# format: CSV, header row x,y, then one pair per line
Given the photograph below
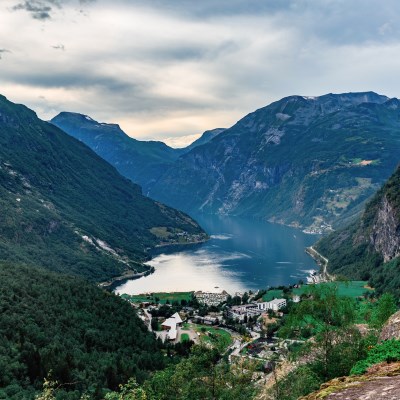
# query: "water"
x,y
242,254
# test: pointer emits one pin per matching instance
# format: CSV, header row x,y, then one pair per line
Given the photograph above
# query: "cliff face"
x,y
391,329
385,232
370,247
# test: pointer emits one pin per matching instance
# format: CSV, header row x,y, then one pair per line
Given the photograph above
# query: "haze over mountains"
x,y
141,161
304,161
66,209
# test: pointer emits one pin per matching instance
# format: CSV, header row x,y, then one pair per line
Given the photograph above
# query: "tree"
x,y
386,306
154,324
329,318
130,391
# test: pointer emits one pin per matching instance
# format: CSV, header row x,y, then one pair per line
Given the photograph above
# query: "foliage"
x,y
329,318
385,351
297,383
129,391
350,251
88,339
204,375
54,191
385,308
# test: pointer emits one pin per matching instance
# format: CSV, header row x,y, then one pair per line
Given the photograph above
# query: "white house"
x,y
274,305
171,325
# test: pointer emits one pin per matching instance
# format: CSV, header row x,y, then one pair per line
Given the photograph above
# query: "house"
x,y
296,298
171,325
239,312
274,305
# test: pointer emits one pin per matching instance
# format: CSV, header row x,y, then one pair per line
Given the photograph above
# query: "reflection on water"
x,y
241,255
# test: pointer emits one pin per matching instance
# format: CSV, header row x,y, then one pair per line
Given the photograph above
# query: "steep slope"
x,y
206,137
143,162
301,161
59,327
65,208
370,247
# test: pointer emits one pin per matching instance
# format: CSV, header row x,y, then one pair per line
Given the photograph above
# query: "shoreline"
x,y
169,248
129,275
132,275
161,247
321,261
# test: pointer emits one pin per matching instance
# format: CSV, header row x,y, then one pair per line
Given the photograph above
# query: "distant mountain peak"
x,y
205,138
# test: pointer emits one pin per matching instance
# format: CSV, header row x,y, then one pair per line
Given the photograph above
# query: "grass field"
x,y
351,288
163,297
212,335
215,336
273,294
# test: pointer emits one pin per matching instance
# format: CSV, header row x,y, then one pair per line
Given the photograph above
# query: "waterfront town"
x,y
243,325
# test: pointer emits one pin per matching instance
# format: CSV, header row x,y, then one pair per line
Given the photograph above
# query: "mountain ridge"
x,y
68,210
267,164
143,162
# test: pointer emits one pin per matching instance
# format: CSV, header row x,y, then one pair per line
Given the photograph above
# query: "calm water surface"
x,y
242,254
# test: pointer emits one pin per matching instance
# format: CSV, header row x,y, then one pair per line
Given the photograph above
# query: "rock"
x,y
391,329
382,382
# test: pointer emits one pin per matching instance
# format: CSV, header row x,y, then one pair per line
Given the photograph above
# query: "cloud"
x,y
39,9
2,51
173,69
43,9
59,47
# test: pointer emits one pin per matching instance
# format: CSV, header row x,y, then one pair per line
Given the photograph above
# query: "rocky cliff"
x,y
304,161
370,247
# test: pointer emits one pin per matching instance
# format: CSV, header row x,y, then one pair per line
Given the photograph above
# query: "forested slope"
x,y
65,208
370,247
60,327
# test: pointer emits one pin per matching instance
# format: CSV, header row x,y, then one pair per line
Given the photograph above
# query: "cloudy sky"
x,y
169,70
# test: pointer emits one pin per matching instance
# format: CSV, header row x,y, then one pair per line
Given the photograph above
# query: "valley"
x,y
240,255
310,163
203,293
199,200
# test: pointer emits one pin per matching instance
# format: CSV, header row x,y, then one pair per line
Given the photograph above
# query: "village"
x,y
243,325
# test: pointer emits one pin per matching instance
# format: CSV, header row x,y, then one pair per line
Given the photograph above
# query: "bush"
x,y
387,351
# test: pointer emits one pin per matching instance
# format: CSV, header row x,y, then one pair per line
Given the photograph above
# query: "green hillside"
x,y
370,247
59,327
65,208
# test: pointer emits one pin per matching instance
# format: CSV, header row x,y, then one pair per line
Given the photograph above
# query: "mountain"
x,y
61,328
369,249
304,161
143,162
140,161
206,137
65,208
